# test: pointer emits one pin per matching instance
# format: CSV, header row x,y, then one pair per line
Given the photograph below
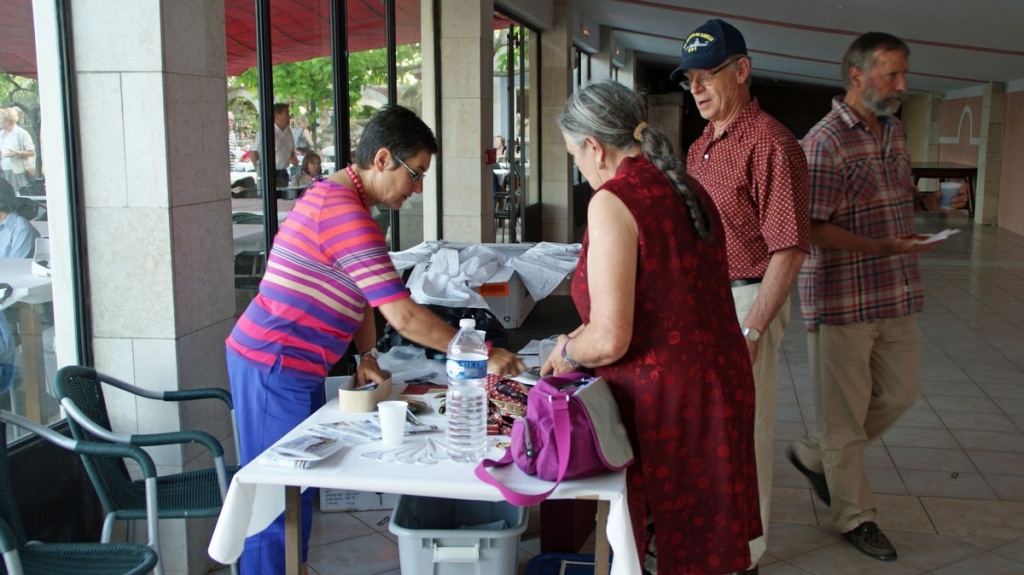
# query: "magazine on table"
x,y
312,446
321,440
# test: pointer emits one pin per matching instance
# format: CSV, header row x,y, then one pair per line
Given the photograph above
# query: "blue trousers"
x,y
269,404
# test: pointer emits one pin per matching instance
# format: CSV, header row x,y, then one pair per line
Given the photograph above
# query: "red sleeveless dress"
x,y
685,385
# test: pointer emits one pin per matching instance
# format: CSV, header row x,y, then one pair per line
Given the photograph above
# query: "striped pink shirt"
x,y
328,260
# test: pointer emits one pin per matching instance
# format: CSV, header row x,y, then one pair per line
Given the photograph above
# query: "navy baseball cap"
x,y
709,46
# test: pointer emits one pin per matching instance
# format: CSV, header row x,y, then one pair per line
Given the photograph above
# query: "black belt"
x,y
744,282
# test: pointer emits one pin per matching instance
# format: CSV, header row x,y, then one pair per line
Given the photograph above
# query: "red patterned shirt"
x,y
866,187
757,176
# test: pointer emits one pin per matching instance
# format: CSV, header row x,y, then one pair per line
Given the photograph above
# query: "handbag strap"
x,y
563,443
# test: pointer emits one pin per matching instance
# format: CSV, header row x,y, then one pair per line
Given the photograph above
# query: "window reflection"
x,y
302,79
513,102
410,95
27,359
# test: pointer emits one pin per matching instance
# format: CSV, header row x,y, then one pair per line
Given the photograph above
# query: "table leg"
x,y
292,529
602,551
970,196
31,330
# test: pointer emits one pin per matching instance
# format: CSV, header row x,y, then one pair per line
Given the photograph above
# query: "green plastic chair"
x,y
246,218
22,557
197,493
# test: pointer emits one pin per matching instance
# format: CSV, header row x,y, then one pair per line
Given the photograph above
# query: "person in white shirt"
x,y
284,144
17,152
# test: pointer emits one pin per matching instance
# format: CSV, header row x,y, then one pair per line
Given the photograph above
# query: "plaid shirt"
x,y
867,188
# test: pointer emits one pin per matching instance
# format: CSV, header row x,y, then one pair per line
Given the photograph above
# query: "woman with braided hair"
x,y
660,326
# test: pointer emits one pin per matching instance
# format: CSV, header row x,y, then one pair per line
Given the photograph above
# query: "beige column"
x,y
990,154
556,79
466,119
152,101
932,125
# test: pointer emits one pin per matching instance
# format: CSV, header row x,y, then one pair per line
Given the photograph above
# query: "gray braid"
x,y
611,113
659,151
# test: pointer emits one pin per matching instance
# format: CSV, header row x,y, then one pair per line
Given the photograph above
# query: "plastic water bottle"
x,y
467,398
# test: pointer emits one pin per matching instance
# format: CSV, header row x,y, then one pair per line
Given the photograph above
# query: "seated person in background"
x,y
309,171
17,240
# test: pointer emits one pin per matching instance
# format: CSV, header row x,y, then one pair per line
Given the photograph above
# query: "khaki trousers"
x,y
864,377
766,391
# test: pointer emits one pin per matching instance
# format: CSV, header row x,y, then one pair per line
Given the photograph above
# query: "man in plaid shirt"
x,y
861,284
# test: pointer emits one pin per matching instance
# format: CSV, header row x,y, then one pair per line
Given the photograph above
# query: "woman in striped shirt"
x,y
328,267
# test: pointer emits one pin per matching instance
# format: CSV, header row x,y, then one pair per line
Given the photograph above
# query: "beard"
x,y
882,104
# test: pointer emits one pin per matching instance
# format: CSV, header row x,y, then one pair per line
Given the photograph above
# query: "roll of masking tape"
x,y
363,399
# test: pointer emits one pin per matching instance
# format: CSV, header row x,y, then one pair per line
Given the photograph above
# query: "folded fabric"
x,y
417,254
545,265
446,273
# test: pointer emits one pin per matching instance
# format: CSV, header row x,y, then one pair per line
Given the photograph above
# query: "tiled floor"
x,y
949,476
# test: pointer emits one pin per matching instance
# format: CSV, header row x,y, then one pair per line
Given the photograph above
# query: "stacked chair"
x,y
197,493
22,557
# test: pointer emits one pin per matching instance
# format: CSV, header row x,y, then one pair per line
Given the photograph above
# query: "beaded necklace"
x,y
359,183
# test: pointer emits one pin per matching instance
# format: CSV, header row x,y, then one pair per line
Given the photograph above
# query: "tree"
x,y
310,83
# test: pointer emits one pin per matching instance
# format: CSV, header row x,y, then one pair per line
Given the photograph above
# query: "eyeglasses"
x,y
705,79
413,174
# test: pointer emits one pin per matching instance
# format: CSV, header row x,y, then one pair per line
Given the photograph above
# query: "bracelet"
x,y
565,355
372,354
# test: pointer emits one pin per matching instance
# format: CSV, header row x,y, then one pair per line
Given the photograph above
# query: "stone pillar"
x,y
556,77
932,130
601,61
467,54
152,101
990,154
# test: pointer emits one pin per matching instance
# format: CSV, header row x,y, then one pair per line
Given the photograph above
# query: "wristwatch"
x,y
751,333
373,353
573,364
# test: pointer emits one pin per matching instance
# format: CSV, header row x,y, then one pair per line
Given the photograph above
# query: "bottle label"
x,y
466,369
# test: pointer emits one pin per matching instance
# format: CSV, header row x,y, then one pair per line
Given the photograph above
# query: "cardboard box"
x,y
507,297
348,500
504,292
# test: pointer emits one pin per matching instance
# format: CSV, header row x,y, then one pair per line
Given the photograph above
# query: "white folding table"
x,y
259,493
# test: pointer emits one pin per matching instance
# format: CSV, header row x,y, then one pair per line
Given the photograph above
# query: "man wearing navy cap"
x,y
756,173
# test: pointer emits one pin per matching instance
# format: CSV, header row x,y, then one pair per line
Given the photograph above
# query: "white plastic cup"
x,y
392,422
544,349
949,191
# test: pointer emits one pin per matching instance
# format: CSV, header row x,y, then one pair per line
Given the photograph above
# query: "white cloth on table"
x,y
256,496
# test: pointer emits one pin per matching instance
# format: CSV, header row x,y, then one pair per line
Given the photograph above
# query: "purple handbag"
x,y
572,430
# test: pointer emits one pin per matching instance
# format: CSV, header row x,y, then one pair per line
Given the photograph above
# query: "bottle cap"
x,y
467,322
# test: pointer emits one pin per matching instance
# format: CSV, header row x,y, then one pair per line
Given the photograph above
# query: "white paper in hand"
x,y
932,238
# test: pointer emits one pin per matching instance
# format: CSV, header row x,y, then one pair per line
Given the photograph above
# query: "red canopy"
x,y
18,48
299,31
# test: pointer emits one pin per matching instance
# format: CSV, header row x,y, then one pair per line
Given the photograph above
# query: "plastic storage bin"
x,y
454,537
